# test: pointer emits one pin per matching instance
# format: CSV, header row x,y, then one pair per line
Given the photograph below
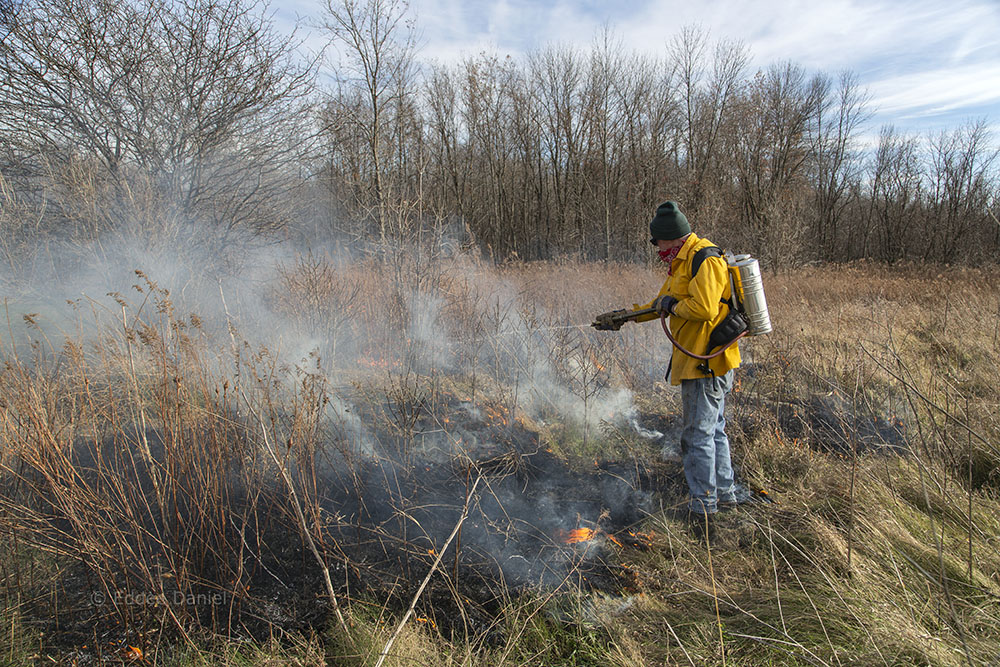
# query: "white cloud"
x,y
829,35
918,57
452,30
925,62
932,92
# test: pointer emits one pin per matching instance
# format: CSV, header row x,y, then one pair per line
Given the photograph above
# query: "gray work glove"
x,y
665,304
610,321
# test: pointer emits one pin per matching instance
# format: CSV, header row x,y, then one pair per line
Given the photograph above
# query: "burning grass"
x,y
159,481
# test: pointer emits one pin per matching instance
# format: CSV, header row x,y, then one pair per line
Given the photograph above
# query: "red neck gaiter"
x,y
668,256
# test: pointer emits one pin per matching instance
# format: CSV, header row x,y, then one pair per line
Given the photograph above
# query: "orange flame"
x,y
378,363
645,539
580,535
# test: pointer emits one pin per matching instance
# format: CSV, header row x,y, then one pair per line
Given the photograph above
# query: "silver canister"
x,y
750,287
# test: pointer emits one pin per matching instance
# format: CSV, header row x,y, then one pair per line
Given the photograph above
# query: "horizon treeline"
x,y
170,122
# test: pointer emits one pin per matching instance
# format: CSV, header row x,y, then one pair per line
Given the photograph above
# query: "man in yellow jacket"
x,y
696,305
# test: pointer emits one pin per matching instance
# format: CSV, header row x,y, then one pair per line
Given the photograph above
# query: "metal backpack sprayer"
x,y
748,293
748,314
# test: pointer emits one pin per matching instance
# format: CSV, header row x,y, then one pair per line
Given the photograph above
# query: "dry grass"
x,y
870,413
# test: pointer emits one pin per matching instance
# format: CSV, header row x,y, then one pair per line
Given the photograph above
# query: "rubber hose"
x,y
666,330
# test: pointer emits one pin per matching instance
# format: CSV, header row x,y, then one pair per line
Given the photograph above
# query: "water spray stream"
x,y
556,328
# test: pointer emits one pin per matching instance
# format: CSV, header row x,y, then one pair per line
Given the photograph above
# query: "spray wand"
x,y
614,320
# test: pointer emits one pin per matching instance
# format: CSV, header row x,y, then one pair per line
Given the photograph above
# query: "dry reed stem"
x,y
437,561
303,524
715,594
938,538
774,568
680,644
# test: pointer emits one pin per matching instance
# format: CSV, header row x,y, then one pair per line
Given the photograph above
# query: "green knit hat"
x,y
668,223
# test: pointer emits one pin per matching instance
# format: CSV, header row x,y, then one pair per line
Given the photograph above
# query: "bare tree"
x,y
558,76
687,52
532,208
836,163
376,79
603,124
707,99
443,129
961,189
895,194
7,10
487,100
771,150
201,97
567,151
651,136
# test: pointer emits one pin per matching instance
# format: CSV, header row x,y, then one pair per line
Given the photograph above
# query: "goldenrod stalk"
x,y
437,561
303,524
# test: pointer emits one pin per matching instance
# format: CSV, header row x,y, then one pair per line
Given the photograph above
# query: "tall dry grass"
x,y
151,458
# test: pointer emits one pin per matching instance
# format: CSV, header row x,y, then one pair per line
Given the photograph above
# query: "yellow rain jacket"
x,y
699,309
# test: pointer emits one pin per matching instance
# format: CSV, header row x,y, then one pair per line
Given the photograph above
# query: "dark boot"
x,y
702,525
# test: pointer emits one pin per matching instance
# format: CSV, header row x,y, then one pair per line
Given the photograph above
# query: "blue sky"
x,y
927,64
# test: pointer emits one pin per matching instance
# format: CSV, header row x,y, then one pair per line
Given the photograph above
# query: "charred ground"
x,y
877,444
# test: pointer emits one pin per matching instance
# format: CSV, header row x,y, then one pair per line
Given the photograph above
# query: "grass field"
x,y
172,480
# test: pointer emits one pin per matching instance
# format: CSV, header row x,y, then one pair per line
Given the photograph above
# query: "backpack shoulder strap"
x,y
699,259
701,255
